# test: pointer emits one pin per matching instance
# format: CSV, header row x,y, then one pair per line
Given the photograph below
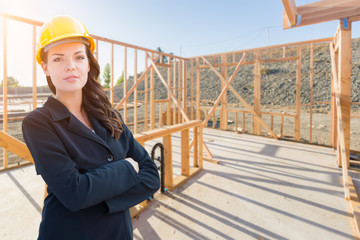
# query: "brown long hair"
x,y
94,98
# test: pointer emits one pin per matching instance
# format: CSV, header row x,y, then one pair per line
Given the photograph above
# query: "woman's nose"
x,y
70,65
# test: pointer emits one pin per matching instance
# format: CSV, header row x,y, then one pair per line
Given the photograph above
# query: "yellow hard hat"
x,y
60,28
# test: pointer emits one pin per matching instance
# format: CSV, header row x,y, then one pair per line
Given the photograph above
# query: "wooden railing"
x,y
188,169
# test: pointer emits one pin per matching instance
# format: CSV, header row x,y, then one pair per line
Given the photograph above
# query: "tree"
x,y
120,79
164,58
11,82
107,76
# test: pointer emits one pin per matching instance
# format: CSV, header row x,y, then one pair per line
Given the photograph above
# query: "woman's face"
x,y
67,66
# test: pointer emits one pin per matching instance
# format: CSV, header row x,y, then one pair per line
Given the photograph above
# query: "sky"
x,y
185,28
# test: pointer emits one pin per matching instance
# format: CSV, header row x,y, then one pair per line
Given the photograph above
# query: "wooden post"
x,y
179,119
112,76
34,90
152,100
236,122
282,127
341,148
201,144
174,91
195,146
168,107
344,76
198,115
184,91
160,115
125,84
5,117
311,87
298,89
192,89
243,123
257,93
223,111
135,92
185,163
242,100
168,179
146,112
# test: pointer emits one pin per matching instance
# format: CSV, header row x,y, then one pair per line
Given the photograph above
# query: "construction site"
x,y
234,167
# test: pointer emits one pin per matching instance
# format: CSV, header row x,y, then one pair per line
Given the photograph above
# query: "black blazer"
x,y
91,187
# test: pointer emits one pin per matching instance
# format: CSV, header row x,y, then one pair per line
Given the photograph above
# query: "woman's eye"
x,y
80,57
57,59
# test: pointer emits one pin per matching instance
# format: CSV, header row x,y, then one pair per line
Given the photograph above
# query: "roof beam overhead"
x,y
290,9
320,11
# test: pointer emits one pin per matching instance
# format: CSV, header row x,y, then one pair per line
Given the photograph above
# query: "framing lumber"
x,y
178,105
241,99
298,89
224,90
320,11
257,92
311,87
341,135
15,146
290,10
5,92
223,112
344,80
152,96
34,89
123,100
135,93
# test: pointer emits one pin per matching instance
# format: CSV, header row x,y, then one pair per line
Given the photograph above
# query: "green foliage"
x,y
164,58
120,79
265,71
106,76
11,82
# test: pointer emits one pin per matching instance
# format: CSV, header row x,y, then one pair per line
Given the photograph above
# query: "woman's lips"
x,y
71,78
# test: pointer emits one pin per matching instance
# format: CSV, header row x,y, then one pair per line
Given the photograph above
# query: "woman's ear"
x,y
44,67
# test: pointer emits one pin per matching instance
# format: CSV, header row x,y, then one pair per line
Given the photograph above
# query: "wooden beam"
x,y
126,95
135,93
242,100
340,128
168,179
354,205
146,114
34,89
15,146
112,76
5,91
257,93
290,9
169,90
298,90
311,88
224,90
198,112
344,79
185,159
223,112
123,100
323,11
152,95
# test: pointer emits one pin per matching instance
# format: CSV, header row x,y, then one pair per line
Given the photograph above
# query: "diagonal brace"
x,y
241,99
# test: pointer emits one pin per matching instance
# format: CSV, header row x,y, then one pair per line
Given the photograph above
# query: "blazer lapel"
x,y
59,112
78,127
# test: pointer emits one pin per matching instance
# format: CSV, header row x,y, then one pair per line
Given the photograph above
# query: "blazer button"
x,y
110,158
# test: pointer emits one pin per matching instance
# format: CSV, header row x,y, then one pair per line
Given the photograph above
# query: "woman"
x,y
79,144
